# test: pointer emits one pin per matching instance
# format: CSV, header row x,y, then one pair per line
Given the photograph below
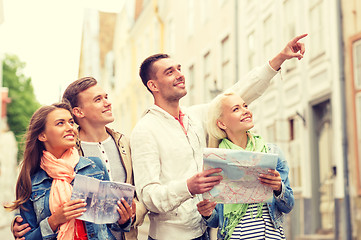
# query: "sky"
x,y
46,35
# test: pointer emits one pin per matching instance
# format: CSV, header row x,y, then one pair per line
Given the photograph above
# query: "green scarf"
x,y
235,212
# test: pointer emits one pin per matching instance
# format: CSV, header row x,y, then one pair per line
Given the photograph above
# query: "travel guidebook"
x,y
240,173
101,198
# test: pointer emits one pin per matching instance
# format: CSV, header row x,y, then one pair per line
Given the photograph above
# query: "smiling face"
x,y
169,82
94,107
236,117
60,132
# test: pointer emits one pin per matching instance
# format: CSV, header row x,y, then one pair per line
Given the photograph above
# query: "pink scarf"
x,y
62,172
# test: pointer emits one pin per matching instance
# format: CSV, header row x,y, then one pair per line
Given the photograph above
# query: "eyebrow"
x,y
237,105
99,95
178,66
59,120
62,119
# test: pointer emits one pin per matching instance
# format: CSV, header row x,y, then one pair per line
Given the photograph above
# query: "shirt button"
x,y
106,160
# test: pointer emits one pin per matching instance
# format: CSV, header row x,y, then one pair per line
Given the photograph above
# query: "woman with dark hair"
x,y
44,185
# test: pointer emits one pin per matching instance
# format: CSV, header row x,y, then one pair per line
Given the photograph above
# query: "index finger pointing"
x,y
298,38
302,46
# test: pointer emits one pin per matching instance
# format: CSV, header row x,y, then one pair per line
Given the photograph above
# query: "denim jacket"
x,y
280,204
37,207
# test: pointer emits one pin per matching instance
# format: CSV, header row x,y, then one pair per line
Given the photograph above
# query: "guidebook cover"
x,y
101,198
240,173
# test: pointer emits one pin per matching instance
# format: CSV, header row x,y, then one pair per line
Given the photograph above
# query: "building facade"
x,y
351,25
217,42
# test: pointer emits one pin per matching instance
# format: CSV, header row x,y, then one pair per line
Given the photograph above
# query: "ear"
x,y
78,112
42,137
221,125
152,85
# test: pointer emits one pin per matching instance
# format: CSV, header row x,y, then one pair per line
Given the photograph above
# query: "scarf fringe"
x,y
233,213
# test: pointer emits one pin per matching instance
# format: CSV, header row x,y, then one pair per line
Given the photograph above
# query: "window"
x,y
191,17
204,11
289,29
110,69
317,29
268,31
294,152
156,37
191,85
207,76
171,36
356,64
292,129
227,78
251,51
271,133
358,124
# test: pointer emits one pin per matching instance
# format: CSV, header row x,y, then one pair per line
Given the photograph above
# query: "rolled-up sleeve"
x,y
255,83
38,231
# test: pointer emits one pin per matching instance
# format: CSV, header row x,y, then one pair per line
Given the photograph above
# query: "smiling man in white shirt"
x,y
167,144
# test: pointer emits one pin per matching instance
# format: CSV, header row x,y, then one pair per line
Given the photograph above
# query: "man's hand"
x,y
19,230
125,211
134,209
202,182
205,207
293,49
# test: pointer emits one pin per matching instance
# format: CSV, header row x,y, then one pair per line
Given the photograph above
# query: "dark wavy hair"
x,y
33,152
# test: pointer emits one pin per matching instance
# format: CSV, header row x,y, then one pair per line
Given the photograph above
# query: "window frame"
x,y
226,72
355,93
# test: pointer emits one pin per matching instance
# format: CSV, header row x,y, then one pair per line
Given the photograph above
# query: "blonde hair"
x,y
214,113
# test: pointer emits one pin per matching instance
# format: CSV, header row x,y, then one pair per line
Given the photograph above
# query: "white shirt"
x,y
164,157
108,152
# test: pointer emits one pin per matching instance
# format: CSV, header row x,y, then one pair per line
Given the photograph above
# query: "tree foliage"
x,y
23,101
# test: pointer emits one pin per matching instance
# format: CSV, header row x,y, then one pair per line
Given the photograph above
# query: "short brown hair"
x,y
72,91
146,71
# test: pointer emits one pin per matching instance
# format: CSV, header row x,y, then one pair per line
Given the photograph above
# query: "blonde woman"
x,y
229,124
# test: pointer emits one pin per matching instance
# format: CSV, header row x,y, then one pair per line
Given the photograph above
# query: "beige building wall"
x,y
351,34
89,62
135,39
219,41
172,27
